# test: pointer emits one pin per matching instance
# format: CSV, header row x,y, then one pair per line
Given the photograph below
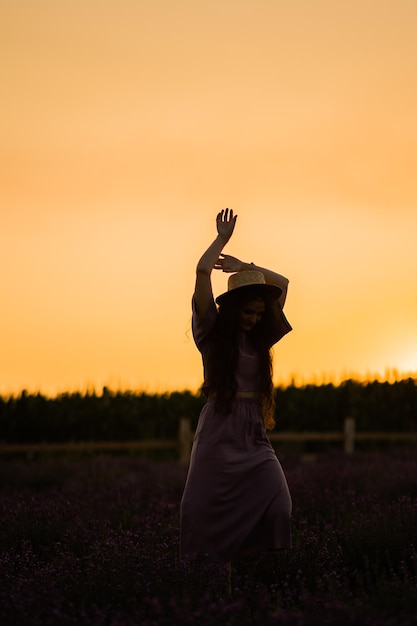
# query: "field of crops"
x,y
94,541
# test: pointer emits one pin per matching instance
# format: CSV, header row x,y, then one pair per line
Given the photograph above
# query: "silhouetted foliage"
x,y
95,542
118,416
374,405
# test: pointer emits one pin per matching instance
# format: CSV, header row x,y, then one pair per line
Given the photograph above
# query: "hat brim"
x,y
272,291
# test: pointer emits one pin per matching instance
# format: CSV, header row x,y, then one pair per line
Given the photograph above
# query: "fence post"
x,y
184,439
349,435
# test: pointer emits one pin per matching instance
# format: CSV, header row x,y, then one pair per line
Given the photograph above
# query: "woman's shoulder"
x,y
281,325
202,324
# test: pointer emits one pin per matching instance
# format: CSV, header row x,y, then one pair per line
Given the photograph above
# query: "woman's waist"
x,y
250,395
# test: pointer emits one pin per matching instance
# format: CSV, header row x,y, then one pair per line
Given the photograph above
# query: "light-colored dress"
x,y
236,498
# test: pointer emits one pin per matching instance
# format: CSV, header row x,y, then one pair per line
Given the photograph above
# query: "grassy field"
x,y
95,542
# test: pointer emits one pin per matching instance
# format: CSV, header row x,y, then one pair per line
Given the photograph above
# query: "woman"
x,y
236,498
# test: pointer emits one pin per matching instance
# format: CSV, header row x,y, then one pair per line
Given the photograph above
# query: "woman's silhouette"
x,y
236,499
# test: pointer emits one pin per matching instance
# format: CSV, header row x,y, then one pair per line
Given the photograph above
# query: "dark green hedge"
x,y
376,406
116,416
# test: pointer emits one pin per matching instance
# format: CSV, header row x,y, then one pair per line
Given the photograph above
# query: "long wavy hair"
x,y
222,356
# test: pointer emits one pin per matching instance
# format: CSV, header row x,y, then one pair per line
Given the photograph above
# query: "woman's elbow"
x,y
202,270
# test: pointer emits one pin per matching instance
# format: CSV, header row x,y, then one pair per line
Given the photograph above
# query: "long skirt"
x,y
236,498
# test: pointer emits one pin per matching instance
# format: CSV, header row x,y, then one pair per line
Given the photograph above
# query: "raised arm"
x,y
229,263
203,294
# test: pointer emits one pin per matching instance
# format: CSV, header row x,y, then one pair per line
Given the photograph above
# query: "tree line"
x,y
124,415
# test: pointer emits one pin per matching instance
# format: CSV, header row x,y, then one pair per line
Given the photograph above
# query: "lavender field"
x,y
94,541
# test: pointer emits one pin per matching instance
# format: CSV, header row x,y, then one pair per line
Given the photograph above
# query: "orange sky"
x,y
126,126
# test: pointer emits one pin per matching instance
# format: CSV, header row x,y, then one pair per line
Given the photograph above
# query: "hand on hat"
x,y
228,263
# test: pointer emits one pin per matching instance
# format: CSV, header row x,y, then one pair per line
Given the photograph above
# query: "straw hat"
x,y
246,280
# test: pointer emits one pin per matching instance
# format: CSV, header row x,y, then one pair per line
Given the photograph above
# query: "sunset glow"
x,y
126,127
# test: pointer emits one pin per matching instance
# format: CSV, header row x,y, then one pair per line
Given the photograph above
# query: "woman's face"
x,y
251,314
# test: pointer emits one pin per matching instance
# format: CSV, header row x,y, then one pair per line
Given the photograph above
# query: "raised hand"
x,y
225,222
